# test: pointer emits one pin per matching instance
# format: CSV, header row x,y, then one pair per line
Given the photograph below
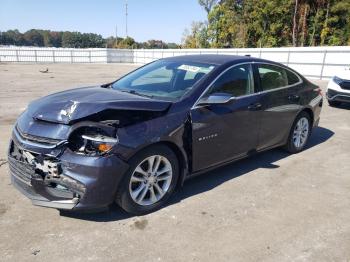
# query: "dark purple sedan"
x,y
136,140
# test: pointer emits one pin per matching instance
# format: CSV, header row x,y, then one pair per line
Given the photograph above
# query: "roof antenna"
x,y
247,55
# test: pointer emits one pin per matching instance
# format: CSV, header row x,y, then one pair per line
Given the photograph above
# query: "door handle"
x,y
294,97
255,107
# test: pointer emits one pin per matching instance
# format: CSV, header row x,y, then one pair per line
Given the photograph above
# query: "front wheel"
x,y
299,133
150,181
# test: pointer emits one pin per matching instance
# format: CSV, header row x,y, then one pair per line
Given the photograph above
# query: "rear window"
x,y
272,77
292,78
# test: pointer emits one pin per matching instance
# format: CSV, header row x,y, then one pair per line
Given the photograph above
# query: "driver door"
x,y
223,132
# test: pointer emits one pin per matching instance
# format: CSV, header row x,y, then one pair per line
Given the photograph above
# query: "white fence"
x,y
52,55
313,62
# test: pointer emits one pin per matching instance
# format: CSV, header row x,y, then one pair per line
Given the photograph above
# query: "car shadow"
x,y
211,179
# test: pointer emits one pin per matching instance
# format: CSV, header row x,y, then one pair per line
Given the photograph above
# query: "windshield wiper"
x,y
134,92
108,85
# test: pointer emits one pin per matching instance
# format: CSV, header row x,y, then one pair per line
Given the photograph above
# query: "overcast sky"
x,y
148,19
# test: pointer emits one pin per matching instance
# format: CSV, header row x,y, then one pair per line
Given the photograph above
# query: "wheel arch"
x,y
305,109
180,155
308,111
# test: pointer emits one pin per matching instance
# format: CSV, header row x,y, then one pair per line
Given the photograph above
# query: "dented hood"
x,y
72,105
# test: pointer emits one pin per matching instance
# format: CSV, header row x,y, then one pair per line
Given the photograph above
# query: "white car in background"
x,y
338,89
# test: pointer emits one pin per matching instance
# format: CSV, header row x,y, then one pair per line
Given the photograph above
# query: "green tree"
x,y
272,23
79,40
207,4
33,37
154,44
336,30
197,37
12,37
173,46
127,43
56,38
48,41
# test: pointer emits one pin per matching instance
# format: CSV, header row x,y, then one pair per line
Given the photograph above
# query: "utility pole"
x,y
116,35
126,18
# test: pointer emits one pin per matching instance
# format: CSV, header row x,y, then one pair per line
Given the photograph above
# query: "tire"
x,y
132,195
333,103
292,143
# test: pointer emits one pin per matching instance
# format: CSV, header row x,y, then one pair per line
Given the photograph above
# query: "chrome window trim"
x,y
244,96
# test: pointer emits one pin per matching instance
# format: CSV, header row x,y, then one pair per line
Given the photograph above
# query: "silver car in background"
x,y
338,89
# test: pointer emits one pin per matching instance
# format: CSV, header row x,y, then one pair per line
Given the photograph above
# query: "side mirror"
x,y
215,99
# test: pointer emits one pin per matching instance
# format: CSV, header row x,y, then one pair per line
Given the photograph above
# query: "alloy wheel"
x,y
301,132
150,180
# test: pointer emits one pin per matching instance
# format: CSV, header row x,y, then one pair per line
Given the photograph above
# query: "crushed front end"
x,y
70,150
49,173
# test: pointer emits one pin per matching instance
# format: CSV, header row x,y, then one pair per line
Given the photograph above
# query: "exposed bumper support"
x,y
39,200
60,204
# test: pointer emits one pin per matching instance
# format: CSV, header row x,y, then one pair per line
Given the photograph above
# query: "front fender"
x,y
167,129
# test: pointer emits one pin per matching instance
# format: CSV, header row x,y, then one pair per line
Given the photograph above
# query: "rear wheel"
x,y
299,133
150,181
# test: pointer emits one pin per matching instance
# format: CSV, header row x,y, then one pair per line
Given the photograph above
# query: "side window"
x,y
272,77
160,75
292,78
237,81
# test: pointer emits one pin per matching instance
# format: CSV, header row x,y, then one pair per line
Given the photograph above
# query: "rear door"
x,y
222,132
280,103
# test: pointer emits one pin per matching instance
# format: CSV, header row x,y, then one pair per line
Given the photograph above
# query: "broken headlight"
x,y
92,142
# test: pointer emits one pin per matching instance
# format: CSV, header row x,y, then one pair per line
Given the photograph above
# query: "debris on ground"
x,y
35,252
3,162
44,71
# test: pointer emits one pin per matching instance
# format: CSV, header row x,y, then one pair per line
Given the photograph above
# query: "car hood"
x,y
72,105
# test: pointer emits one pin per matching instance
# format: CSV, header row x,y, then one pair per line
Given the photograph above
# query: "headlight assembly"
x,y
99,143
337,80
92,142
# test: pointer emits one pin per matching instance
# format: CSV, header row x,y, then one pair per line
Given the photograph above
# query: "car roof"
x,y
216,59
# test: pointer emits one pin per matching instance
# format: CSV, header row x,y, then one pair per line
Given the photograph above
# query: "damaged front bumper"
x,y
39,189
59,178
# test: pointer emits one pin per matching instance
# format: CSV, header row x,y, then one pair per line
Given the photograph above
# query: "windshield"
x,y
169,80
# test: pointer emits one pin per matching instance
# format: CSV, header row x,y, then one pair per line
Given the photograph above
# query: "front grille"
x,y
22,171
345,85
37,139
